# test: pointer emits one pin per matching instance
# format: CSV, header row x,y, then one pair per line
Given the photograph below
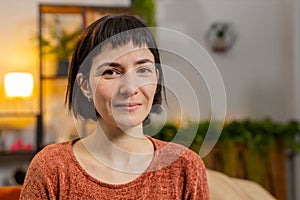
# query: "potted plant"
x,y
252,149
146,9
59,42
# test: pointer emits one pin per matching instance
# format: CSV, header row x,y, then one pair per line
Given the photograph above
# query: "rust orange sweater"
x,y
174,173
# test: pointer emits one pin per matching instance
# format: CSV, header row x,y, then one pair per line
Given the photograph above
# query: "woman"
x,y
115,79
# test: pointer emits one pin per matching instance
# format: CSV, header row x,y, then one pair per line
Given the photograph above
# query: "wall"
x,y
258,70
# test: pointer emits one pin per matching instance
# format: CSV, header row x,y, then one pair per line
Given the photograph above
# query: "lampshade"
x,y
18,84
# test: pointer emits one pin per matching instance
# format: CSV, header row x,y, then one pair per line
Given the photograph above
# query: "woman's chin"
x,y
129,122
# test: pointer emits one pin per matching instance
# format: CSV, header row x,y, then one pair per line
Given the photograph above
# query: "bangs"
x,y
139,37
124,31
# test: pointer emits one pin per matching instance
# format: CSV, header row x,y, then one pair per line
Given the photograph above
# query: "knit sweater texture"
x,y
174,173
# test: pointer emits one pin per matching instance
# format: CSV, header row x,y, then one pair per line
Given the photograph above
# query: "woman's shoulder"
x,y
177,152
172,147
56,148
54,153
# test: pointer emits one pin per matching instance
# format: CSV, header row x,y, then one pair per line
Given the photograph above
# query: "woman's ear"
x,y
157,74
84,85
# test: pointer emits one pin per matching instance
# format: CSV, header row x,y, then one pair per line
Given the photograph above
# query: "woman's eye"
x,y
144,70
110,73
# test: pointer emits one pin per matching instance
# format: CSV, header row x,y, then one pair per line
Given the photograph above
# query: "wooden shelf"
x,y
54,77
17,153
17,114
55,9
77,9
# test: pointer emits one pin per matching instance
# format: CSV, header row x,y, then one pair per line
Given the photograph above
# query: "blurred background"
x,y
254,44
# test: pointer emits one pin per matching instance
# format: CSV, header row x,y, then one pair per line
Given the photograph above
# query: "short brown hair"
x,y
117,30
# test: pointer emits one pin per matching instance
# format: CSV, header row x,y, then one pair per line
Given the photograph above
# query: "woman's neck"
x,y
120,148
116,133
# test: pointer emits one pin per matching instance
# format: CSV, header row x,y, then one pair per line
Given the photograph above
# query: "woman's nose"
x,y
128,84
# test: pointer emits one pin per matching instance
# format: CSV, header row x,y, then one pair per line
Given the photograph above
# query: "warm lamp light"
x,y
18,84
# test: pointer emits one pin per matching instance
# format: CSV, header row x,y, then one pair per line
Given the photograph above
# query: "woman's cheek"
x,y
150,88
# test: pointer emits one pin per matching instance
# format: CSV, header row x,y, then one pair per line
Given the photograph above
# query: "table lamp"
x,y
18,84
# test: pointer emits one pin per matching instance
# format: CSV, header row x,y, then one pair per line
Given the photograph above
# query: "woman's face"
x,y
123,82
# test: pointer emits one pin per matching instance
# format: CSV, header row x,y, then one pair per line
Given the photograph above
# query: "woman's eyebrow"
x,y
106,64
114,64
142,61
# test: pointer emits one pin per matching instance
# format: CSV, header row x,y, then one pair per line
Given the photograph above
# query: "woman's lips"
x,y
131,106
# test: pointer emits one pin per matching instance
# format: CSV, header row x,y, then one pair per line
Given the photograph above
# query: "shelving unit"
x,y
51,87
5,150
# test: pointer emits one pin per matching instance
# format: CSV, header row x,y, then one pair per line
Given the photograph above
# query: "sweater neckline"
x,y
133,182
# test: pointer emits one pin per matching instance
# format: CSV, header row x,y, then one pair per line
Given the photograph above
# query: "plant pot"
x,y
63,68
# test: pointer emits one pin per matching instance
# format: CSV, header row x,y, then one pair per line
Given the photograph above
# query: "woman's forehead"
x,y
123,48
110,53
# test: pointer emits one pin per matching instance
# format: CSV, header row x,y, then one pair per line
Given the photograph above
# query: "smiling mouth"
x,y
128,106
